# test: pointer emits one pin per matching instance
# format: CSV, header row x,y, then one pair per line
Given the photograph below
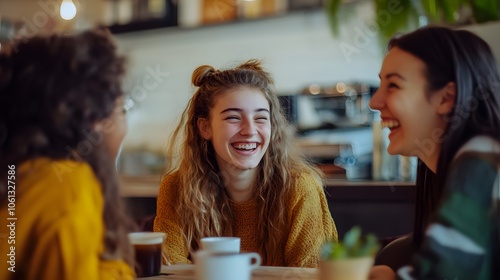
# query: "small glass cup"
x,y
148,252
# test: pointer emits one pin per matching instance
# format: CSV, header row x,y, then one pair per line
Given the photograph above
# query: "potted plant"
x,y
350,258
415,13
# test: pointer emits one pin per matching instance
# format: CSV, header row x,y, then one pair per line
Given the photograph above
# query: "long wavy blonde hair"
x,y
204,204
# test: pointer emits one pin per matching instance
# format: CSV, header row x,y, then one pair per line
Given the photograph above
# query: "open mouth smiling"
x,y
391,124
246,146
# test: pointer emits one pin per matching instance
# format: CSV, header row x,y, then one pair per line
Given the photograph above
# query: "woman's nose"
x,y
377,100
248,128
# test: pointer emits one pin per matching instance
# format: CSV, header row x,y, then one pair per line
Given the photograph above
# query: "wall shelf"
x,y
142,25
171,20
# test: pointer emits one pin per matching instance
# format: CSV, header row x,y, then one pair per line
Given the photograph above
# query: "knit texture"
x,y
310,224
60,229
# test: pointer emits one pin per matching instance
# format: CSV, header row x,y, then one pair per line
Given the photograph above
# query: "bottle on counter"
x,y
384,165
407,168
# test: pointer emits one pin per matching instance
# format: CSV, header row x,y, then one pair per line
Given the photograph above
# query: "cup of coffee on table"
x,y
148,252
225,266
221,244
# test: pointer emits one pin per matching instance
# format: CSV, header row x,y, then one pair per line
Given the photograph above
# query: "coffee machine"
x,y
333,125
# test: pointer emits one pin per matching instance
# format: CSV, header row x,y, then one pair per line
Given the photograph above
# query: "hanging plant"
x,y
407,14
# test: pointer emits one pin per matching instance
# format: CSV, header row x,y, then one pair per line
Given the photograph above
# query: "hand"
x,y
382,272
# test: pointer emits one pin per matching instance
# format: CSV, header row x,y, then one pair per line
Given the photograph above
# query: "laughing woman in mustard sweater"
x,y
233,171
61,125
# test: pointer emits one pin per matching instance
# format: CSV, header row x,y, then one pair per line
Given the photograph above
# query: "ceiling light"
x,y
68,9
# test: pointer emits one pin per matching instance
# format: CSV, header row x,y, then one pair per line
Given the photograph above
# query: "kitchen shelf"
x,y
141,26
170,21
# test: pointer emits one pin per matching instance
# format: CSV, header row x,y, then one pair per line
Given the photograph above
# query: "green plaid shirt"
x,y
463,242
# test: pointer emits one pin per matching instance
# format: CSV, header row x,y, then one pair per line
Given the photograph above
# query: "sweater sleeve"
x,y
67,250
168,221
69,235
311,224
61,253
458,243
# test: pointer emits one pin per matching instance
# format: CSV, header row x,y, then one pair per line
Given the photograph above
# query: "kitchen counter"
x,y
383,208
140,186
147,186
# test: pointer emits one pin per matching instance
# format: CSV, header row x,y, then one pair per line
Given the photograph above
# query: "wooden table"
x,y
186,272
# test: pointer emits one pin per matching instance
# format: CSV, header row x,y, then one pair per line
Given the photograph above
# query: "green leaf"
x,y
339,252
332,8
370,246
327,250
485,10
352,236
401,20
352,246
450,9
431,9
409,12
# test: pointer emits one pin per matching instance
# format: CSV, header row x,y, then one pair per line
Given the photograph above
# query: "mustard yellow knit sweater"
x,y
310,224
59,233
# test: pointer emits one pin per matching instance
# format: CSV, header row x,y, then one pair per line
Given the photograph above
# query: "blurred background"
x,y
324,56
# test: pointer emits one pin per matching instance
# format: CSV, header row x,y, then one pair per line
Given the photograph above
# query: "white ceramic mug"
x,y
221,244
225,266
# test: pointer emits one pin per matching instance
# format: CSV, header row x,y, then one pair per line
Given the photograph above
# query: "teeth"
x,y
249,146
390,124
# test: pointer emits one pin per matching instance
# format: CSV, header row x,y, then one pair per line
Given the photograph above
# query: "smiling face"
x,y
239,128
415,120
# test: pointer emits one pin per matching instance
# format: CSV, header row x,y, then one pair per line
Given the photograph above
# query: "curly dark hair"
x,y
53,90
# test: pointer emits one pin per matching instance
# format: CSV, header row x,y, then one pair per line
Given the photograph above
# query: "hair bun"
x,y
201,74
252,64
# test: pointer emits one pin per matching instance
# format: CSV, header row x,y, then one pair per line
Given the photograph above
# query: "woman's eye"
x,y
393,85
232,118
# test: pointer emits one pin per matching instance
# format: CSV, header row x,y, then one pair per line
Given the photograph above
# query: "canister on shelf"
x,y
190,13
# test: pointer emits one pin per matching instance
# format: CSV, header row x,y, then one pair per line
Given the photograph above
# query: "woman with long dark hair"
x,y
440,97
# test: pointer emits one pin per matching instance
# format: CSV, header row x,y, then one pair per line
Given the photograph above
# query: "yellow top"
x,y
58,231
310,224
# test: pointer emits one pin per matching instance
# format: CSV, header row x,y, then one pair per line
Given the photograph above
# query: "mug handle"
x,y
256,257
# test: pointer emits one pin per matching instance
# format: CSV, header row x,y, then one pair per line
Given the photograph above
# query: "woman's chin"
x,y
247,167
242,166
392,149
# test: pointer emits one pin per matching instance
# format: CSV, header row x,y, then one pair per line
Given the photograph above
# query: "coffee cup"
x,y
148,252
221,244
225,266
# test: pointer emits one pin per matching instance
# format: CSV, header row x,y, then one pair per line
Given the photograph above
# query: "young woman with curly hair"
x,y
233,170
62,121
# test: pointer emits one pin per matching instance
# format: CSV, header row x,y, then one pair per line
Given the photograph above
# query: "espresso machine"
x,y
333,125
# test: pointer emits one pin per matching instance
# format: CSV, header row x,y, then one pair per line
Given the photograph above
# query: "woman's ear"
x,y
98,125
204,128
447,97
